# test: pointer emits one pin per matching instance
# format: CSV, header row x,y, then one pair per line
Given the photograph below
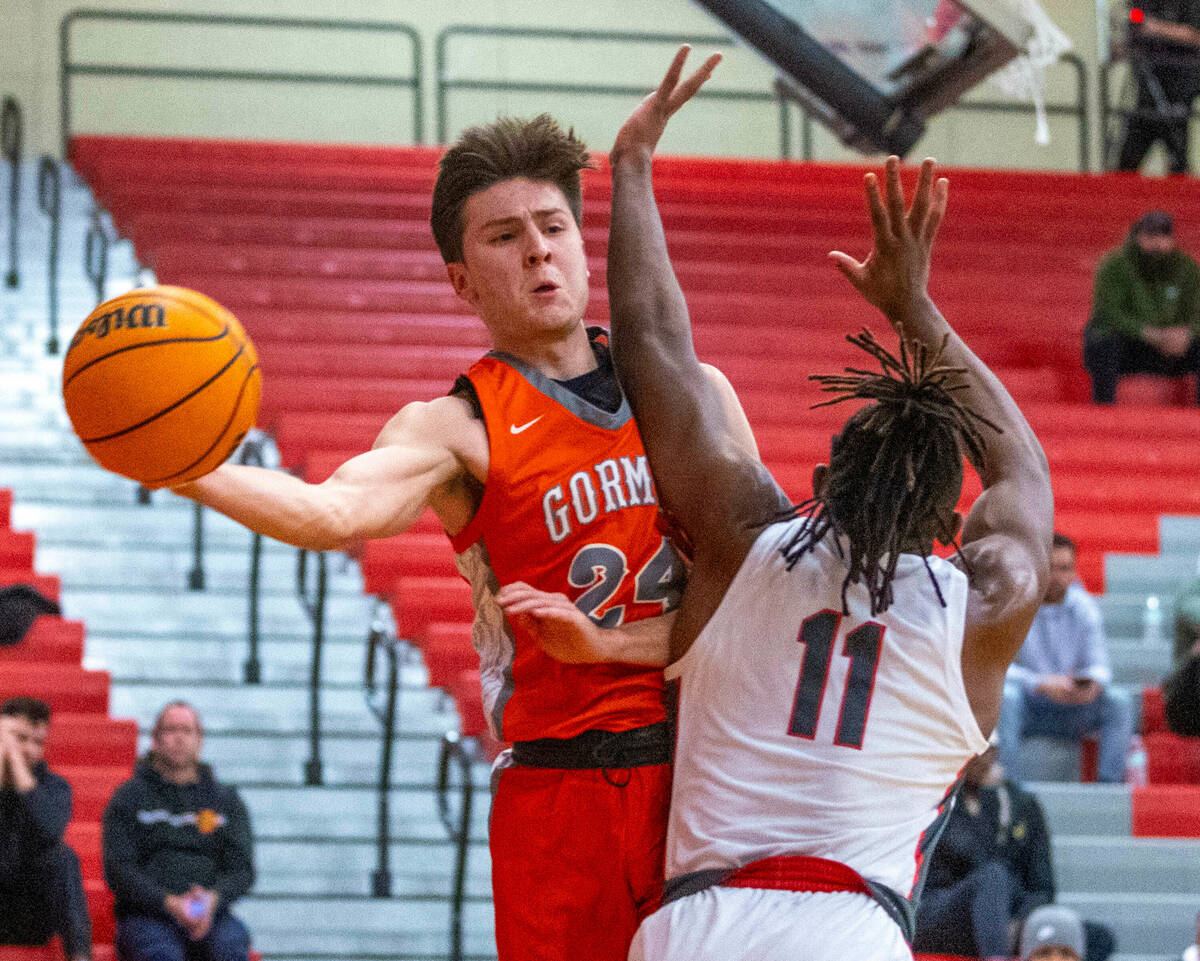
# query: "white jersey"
x,y
806,732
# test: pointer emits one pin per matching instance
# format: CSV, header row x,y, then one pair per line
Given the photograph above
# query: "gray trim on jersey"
x,y
559,394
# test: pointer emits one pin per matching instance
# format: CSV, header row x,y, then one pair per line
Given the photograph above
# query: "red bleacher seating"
x,y
48,585
16,548
51,639
6,500
448,651
1166,811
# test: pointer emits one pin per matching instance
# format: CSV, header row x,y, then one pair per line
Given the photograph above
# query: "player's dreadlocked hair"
x,y
894,466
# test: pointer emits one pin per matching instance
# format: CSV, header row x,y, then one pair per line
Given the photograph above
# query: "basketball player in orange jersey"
x,y
835,676
535,468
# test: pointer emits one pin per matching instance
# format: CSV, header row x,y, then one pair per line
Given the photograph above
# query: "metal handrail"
x,y
381,637
314,605
95,255
454,749
50,202
445,84
69,69
12,140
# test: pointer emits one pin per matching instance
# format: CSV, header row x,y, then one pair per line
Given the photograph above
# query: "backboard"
x,y
874,71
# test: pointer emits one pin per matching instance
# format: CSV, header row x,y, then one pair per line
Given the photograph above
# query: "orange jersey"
x,y
568,507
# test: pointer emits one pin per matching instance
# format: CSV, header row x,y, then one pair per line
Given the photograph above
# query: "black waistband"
x,y
599,750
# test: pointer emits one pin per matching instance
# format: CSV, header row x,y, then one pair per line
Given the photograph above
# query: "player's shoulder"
x,y
450,421
1004,577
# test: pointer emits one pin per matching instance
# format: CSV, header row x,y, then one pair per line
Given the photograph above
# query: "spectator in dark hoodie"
x,y
41,890
177,852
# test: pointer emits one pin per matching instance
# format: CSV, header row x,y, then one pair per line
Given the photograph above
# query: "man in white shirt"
x,y
1059,685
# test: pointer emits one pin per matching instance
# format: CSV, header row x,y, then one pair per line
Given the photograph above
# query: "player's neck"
x,y
560,356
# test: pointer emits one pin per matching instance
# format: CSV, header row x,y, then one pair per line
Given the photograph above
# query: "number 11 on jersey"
x,y
862,647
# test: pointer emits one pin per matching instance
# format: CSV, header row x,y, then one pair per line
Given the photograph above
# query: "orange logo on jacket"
x,y
208,821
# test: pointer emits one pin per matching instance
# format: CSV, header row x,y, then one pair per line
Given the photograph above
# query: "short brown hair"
x,y
537,149
30,708
184,704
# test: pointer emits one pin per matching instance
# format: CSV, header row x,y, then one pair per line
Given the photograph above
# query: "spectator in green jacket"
x,y
1145,311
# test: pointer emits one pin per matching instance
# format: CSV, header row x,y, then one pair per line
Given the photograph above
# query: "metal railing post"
x,y
252,669
313,769
95,256
12,138
50,202
195,580
460,833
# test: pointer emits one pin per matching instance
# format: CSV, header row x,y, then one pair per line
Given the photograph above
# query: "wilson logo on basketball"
x,y
136,316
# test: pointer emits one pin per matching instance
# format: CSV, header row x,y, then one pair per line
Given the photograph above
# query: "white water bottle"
x,y
1136,765
1152,623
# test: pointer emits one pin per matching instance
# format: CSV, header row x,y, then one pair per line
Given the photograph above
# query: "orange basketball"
x,y
161,385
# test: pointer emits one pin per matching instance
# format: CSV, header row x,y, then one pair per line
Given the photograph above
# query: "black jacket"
x,y
1181,698
31,823
161,838
1010,828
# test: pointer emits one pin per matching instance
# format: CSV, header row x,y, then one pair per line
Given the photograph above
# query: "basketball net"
x,y
1025,76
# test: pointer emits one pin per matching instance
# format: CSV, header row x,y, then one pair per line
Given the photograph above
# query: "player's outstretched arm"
x,y
708,478
1007,535
376,494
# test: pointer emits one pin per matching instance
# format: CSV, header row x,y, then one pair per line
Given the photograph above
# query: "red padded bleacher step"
x,y
16,548
418,602
1170,811
1171,759
410,554
83,739
66,689
48,585
51,639
447,652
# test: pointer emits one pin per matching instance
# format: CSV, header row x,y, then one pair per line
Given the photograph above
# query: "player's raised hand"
x,y
646,124
895,275
562,629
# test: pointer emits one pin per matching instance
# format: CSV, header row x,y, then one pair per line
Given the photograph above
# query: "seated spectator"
x,y
1145,310
1059,683
990,870
1052,933
1187,619
1192,951
177,852
41,889
1181,696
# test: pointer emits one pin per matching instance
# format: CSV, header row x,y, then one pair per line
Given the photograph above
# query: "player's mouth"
x,y
546,289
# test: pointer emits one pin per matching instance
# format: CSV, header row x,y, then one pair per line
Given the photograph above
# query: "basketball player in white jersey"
x,y
834,676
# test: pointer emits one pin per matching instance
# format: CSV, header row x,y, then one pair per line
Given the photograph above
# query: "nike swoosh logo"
x,y
516,430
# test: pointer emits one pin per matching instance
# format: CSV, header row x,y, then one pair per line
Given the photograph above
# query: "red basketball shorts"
x,y
577,861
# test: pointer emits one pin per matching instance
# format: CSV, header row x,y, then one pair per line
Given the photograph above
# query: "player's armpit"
x,y
376,494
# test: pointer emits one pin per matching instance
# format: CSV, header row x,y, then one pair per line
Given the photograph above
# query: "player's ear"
x,y
460,280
